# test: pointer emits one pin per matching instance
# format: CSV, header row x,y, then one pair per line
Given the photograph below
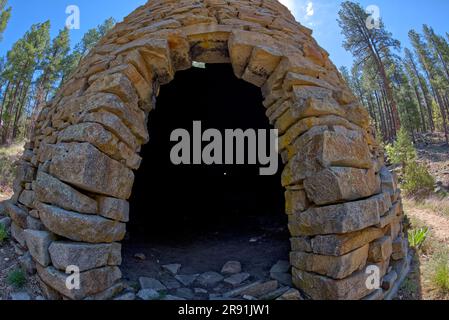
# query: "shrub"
x,y
417,180
17,278
3,233
402,150
417,237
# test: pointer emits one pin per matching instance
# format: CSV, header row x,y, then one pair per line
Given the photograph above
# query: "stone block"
x,y
331,266
38,243
81,227
52,191
82,165
84,255
338,219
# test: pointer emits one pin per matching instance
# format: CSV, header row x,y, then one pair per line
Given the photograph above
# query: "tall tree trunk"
x,y
5,94
9,108
421,109
19,112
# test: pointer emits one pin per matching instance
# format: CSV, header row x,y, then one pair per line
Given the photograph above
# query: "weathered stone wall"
x,y
70,203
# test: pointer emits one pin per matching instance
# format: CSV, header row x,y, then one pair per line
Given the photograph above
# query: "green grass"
x,y
8,156
440,274
17,278
3,234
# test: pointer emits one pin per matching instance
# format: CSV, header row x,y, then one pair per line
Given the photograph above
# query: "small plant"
x,y
3,234
17,278
441,274
417,237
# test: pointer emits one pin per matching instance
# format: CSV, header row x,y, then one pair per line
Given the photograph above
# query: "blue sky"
x,y
320,15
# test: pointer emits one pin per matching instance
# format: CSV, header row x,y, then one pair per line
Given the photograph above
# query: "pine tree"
x,y
421,89
87,43
51,70
5,15
23,60
430,66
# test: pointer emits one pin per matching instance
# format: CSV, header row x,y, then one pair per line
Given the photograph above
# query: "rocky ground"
x,y
237,265
230,283
201,275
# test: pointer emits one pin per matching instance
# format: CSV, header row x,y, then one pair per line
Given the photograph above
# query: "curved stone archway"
x,y
70,204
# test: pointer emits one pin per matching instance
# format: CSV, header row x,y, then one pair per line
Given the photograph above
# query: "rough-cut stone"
x,y
399,249
85,256
109,293
236,279
331,266
115,209
231,267
389,280
27,264
38,243
380,250
261,289
18,234
172,268
81,227
6,222
117,84
281,266
114,124
340,244
27,198
35,224
91,282
187,280
388,182
102,139
82,165
321,287
209,279
290,295
52,191
185,293
129,296
301,244
343,218
321,148
295,201
335,185
284,279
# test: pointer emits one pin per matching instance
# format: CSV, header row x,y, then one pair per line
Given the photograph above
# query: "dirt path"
x,y
438,224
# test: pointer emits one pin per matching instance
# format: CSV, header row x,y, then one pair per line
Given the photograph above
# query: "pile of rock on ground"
x,y
232,283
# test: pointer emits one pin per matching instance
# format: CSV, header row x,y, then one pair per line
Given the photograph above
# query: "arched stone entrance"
x,y
70,205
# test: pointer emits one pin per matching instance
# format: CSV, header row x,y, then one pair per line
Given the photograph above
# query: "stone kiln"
x,y
70,203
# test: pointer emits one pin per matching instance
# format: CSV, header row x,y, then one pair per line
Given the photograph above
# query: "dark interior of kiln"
x,y
202,216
